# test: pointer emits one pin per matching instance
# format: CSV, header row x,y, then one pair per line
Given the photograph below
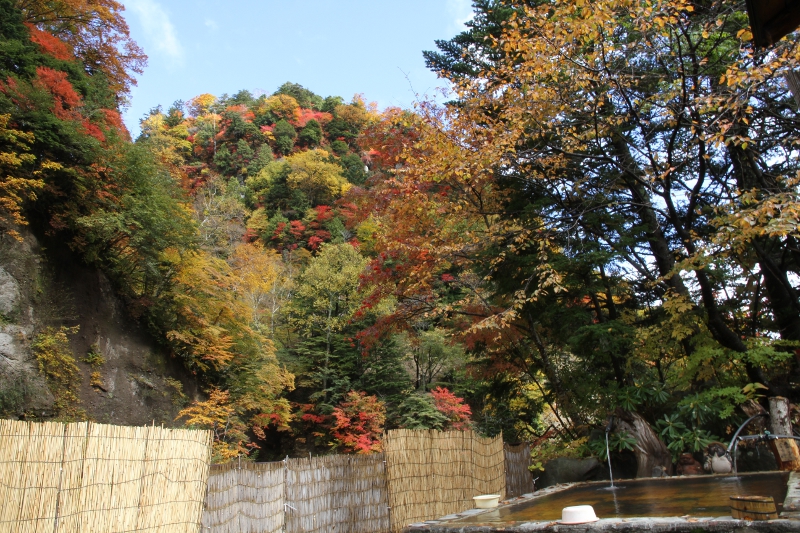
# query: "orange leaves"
x,y
50,44
201,104
303,116
97,33
215,411
113,120
65,99
68,104
219,415
387,139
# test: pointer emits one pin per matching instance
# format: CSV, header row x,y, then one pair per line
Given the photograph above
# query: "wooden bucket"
x,y
753,508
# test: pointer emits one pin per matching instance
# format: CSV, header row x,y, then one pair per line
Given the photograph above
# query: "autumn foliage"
x,y
457,412
94,31
605,215
358,423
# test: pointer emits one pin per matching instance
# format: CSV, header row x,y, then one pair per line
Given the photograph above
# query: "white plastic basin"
x,y
486,501
578,514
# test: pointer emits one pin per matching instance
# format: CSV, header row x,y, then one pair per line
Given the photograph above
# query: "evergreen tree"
x,y
285,135
311,134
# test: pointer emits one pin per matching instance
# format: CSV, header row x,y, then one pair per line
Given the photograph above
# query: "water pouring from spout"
x,y
609,427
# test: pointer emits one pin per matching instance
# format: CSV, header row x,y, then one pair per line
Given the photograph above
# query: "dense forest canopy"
x,y
603,218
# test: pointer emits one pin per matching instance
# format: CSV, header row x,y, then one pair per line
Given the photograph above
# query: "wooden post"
x,y
786,452
779,421
793,81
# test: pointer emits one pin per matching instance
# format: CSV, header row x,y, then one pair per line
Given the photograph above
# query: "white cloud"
x,y
460,12
212,24
160,32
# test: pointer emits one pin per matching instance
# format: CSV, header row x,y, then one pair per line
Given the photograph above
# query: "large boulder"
x,y
564,470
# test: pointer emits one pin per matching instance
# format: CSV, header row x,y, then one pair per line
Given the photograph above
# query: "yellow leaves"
x,y
220,307
17,184
774,215
49,166
11,159
752,389
210,413
327,292
677,304
219,415
201,104
260,280
210,313
745,35
57,364
321,181
282,106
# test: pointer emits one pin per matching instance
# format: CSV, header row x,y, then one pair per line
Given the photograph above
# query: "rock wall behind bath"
x,y
131,381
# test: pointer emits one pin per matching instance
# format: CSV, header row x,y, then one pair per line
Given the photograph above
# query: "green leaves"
x,y
651,394
681,437
670,427
694,440
617,441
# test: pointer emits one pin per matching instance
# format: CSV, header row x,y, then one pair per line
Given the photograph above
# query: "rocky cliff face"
x,y
125,377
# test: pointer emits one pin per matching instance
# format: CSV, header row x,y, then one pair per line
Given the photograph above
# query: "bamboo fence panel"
x,y
489,466
175,480
221,514
432,473
337,494
72,494
519,479
245,498
261,495
30,470
12,455
86,477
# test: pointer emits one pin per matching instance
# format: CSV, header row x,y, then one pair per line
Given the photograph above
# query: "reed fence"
x,y
85,477
337,494
433,474
245,498
519,479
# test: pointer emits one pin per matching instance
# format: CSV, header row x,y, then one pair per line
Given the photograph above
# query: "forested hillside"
x,y
281,257
224,230
603,219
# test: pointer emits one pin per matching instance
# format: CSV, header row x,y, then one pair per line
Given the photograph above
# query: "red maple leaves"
x,y
457,412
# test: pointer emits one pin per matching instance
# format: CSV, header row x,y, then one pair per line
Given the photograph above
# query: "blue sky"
x,y
337,48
